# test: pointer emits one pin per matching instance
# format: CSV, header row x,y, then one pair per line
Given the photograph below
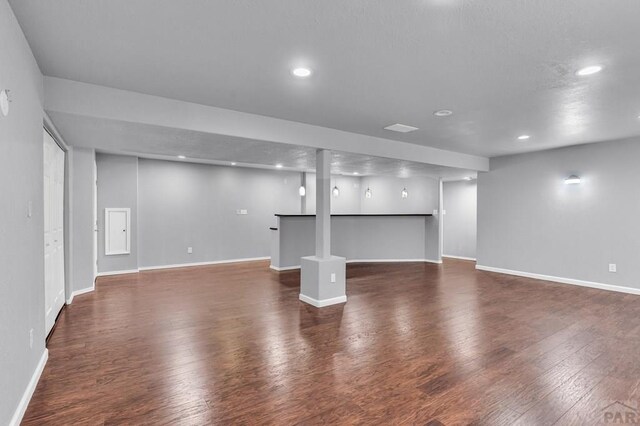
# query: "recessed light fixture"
x,y
233,163
356,173
278,166
443,113
572,180
401,128
468,178
523,137
591,69
182,157
301,72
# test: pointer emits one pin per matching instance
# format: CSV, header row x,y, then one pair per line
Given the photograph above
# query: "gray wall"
x,y
21,237
530,221
347,203
81,213
117,188
183,204
460,204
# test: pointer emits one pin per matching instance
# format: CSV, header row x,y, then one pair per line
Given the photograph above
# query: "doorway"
x,y
53,157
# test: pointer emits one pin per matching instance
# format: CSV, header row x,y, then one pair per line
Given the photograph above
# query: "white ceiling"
x,y
506,67
150,141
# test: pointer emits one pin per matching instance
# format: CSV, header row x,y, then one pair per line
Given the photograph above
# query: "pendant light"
x,y
404,193
368,193
335,191
302,191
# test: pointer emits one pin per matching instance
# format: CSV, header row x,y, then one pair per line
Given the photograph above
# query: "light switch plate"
x,y
333,278
190,250
242,211
613,267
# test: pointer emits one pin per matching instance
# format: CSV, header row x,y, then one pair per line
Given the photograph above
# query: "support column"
x,y
323,276
303,199
440,219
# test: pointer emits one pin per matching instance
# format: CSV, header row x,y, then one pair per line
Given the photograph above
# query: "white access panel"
x,y
117,238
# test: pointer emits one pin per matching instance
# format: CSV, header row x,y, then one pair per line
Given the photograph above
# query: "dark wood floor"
x,y
415,344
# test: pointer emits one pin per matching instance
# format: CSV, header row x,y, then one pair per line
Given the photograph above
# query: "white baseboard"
x,y
215,262
450,256
109,273
290,268
286,268
28,393
79,292
590,284
322,303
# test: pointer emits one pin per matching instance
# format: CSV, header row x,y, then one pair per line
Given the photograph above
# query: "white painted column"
x,y
323,277
440,219
303,199
323,204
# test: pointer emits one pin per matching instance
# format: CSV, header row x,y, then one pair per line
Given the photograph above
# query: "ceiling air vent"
x,y
402,128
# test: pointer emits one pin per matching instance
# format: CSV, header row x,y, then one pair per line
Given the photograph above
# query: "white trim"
x,y
28,392
450,256
79,292
285,268
290,268
126,271
107,232
600,286
214,262
324,302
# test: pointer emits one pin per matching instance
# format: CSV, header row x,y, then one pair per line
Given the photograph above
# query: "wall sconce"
x,y
404,193
302,191
335,191
572,180
368,193
4,102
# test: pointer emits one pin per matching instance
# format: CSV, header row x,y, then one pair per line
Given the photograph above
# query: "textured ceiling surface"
x,y
505,67
167,143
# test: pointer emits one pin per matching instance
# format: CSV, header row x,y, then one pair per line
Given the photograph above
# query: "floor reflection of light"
x,y
462,331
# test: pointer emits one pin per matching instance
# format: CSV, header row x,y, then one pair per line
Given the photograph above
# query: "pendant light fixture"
x,y
336,191
368,193
302,191
404,193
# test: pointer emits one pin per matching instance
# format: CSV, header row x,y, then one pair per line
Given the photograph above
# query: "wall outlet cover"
x,y
190,250
613,267
333,278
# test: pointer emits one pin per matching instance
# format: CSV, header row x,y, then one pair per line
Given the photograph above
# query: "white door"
x,y
53,230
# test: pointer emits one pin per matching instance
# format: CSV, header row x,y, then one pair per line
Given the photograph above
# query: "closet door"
x,y
53,230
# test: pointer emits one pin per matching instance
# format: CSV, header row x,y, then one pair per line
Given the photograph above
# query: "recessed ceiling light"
x,y
468,178
278,166
523,137
401,128
591,69
443,113
355,173
301,72
182,157
233,164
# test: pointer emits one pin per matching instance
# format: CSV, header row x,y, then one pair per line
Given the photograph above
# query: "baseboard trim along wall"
x,y
214,262
450,256
590,284
79,292
291,268
324,302
109,273
28,392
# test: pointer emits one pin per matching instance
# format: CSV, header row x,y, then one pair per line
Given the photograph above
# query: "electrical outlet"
x,y
189,250
613,267
31,338
333,278
242,211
